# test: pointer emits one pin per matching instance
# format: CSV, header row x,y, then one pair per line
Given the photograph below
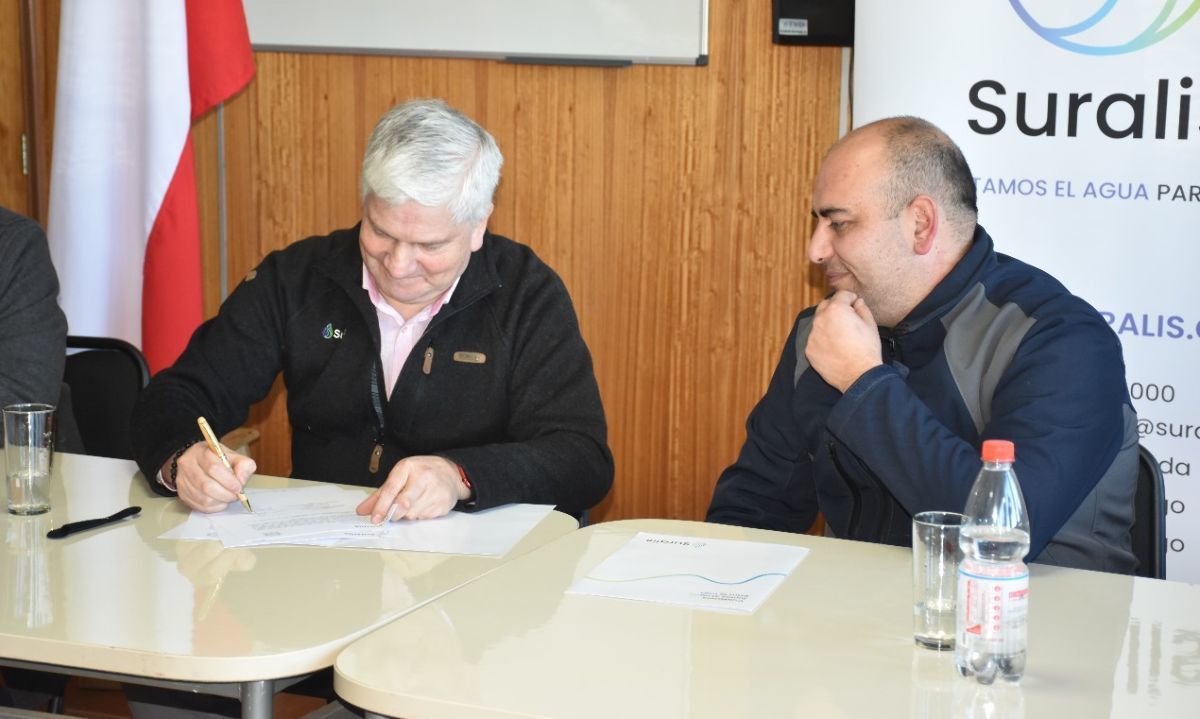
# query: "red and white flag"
x,y
124,226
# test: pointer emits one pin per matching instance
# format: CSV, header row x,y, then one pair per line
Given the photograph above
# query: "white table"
x,y
118,602
835,640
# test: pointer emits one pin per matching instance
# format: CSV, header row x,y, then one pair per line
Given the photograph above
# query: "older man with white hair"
x,y
423,355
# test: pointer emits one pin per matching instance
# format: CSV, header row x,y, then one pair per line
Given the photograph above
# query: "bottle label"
x,y
993,605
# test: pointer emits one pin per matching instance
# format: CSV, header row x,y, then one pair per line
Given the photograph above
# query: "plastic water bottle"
x,y
993,582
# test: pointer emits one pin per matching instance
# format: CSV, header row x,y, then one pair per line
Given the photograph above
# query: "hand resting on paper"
x,y
204,483
420,487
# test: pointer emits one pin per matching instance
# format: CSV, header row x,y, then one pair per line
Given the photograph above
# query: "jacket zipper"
x,y
856,495
890,511
426,368
885,516
377,406
893,352
888,515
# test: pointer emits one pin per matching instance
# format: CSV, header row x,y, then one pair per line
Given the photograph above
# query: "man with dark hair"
x,y
930,343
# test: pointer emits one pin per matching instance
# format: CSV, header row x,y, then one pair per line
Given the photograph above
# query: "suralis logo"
x,y
1119,115
1093,34
1163,112
330,333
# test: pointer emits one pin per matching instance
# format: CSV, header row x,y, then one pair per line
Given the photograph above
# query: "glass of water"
x,y
28,451
935,577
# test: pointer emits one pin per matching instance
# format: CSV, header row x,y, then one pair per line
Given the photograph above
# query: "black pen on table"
x,y
215,446
86,524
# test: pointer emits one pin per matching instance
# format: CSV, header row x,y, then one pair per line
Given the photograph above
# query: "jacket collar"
x,y
965,275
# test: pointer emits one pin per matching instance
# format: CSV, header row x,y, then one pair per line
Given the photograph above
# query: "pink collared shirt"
x,y
398,336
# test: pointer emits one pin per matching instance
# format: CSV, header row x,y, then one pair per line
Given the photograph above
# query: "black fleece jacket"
x,y
500,383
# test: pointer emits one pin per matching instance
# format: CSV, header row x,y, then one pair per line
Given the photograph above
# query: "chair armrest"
x,y
240,439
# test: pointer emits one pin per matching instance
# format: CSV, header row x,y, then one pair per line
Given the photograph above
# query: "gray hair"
x,y
429,153
924,160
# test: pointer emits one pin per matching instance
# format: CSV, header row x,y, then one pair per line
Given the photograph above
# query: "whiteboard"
x,y
587,32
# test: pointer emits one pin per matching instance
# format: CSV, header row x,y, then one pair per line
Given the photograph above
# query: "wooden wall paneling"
x,y
27,87
673,201
14,185
496,107
242,188
27,109
251,223
208,196
648,220
633,260
46,14
310,113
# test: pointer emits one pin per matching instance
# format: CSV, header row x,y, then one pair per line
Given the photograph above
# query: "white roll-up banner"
x,y
1081,122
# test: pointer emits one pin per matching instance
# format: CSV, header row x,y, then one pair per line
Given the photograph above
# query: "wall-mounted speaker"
x,y
813,22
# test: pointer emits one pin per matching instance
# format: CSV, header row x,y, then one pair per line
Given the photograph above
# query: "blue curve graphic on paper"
x,y
697,576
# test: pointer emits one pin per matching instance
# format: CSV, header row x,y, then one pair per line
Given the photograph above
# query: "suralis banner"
x,y
1081,121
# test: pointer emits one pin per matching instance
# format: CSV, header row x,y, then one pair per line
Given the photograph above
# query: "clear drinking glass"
x,y
936,555
28,452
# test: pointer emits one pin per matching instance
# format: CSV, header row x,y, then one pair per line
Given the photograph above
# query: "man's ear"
x,y
480,229
923,221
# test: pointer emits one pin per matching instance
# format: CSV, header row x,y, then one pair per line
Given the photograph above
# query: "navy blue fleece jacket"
x,y
999,350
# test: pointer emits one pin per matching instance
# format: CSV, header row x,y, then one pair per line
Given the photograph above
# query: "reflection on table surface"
x,y
835,640
119,599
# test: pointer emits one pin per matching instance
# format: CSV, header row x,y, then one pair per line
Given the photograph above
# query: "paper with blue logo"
x,y
696,572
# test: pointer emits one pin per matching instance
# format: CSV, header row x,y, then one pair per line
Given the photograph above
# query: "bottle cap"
x,y
998,450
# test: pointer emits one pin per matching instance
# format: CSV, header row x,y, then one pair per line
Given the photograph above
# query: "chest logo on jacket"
x,y
330,333
470,357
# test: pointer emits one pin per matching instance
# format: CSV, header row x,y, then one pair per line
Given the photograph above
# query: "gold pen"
x,y
215,446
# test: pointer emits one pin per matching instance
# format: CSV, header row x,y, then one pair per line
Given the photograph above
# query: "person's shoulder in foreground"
x,y
930,343
422,354
33,329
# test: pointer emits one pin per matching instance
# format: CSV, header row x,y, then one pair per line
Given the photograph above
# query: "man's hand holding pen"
x,y
204,483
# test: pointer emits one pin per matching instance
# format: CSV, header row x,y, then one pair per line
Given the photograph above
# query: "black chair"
x,y
1149,533
105,378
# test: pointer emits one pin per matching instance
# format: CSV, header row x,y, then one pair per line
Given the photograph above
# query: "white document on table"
x,y
323,515
265,528
696,572
491,532
199,526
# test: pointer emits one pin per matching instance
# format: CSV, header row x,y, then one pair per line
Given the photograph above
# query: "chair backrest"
x,y
1149,531
105,378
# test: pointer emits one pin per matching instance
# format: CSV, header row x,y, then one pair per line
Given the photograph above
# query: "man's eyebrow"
x,y
437,240
380,231
827,212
